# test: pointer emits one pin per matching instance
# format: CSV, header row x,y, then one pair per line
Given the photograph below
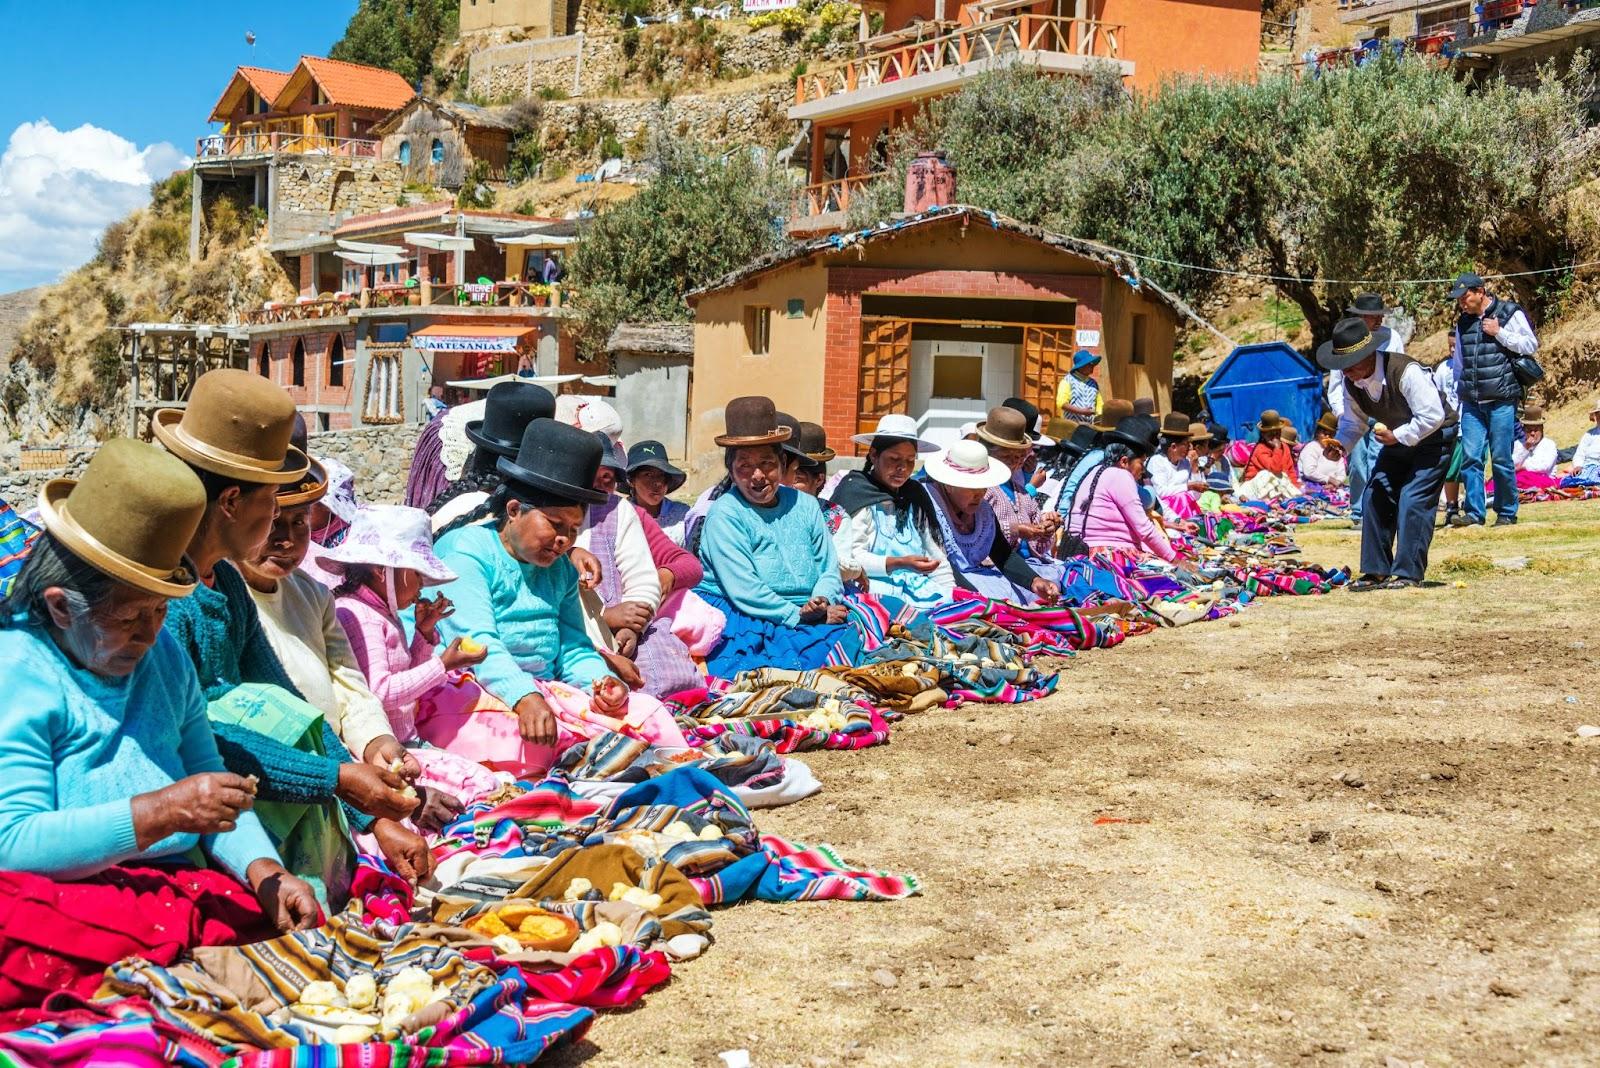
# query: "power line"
x,y
1340,281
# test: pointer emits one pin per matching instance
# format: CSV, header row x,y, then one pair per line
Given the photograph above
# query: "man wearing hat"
x,y
1078,395
1112,412
1371,309
1399,401
1490,333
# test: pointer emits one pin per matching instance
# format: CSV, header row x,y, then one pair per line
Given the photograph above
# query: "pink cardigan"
x,y
683,565
397,674
1116,519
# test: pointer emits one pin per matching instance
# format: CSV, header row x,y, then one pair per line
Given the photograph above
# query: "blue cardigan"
x,y
767,562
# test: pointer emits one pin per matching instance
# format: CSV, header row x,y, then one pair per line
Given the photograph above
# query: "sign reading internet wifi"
x,y
769,5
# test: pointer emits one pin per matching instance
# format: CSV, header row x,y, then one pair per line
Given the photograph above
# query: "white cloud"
x,y
59,189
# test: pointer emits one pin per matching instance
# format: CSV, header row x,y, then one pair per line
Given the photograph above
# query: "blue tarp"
x,y
1256,377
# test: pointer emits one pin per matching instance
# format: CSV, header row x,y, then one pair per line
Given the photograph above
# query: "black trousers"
x,y
1401,498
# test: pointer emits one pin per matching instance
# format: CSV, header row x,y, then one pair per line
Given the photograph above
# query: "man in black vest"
x,y
1414,427
1489,332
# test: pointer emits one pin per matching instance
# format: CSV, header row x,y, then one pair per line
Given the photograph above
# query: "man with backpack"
x,y
1492,363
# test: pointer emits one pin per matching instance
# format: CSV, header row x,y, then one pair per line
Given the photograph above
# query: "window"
x,y
796,308
438,150
1442,19
336,361
758,330
264,360
318,97
957,377
297,363
405,153
1137,339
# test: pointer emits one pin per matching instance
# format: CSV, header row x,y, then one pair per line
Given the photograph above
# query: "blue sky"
x,y
102,96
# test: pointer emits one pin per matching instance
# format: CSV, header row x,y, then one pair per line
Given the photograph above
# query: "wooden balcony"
x,y
938,64
262,143
834,195
440,298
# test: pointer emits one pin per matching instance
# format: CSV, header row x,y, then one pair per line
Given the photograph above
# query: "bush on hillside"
x,y
700,218
399,35
1395,169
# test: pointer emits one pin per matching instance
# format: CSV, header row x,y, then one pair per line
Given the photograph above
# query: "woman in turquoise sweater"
x,y
113,783
770,563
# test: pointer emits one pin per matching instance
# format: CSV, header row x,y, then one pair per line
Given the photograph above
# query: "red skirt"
x,y
58,936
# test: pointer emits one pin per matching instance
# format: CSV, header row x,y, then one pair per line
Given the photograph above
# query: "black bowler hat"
x,y
611,453
507,411
1367,304
1141,433
557,459
1030,412
1352,342
654,454
1083,439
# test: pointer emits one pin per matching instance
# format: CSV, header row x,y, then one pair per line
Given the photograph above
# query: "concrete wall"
x,y
652,397
533,16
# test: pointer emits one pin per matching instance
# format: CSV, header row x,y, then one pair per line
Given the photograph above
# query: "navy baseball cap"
x,y
1464,282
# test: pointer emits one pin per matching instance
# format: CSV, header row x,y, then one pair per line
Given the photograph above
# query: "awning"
x,y
445,338
367,246
489,383
372,259
536,241
441,242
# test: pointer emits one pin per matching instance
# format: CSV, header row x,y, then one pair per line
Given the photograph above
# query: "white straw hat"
x,y
388,535
897,426
967,465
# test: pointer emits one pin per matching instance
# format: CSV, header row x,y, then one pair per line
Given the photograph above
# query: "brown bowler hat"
x,y
1005,428
237,425
752,421
1270,420
1329,423
1199,432
131,516
1112,412
814,443
313,485
1175,425
1533,415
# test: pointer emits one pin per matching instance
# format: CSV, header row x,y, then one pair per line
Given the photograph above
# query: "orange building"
x,y
932,47
321,105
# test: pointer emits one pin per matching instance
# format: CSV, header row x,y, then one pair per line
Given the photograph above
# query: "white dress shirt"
x,y
1516,335
1417,386
1588,451
1333,387
1541,459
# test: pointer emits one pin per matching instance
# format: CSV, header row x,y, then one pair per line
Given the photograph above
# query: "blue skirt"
x,y
749,644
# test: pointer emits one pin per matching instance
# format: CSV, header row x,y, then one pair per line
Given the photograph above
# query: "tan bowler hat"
x,y
1005,428
237,425
131,515
1199,432
1112,412
1533,415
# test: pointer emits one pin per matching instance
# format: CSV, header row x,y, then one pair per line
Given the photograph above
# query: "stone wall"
x,y
752,116
379,456
334,188
520,69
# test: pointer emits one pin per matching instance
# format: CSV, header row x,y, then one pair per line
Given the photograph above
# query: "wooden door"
x,y
1046,360
885,371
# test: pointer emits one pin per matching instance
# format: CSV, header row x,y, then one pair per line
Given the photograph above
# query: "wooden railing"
x,y
832,195
222,146
987,40
466,295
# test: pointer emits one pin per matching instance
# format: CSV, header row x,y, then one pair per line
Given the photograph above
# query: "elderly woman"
x,y
1322,460
1107,512
770,564
1536,454
1586,455
1025,525
1173,477
1269,467
891,535
516,594
958,482
112,777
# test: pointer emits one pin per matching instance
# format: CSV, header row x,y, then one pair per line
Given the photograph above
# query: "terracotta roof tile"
x,y
268,83
358,86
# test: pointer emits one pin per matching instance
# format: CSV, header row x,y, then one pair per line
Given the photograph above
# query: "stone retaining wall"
x,y
379,456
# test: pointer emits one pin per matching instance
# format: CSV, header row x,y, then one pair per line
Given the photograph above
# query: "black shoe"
x,y
1505,521
1368,582
1456,519
1398,583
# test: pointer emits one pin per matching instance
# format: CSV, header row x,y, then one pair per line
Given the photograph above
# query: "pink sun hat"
x,y
388,535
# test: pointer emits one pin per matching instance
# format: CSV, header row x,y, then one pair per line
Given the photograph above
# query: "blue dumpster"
x,y
1256,377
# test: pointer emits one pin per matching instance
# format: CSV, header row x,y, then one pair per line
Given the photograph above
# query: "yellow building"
x,y
540,18
938,316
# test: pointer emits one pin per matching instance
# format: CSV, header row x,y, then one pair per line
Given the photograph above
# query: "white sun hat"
x,y
897,426
967,465
388,535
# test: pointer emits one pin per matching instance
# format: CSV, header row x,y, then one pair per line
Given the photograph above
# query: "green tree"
x,y
701,217
399,35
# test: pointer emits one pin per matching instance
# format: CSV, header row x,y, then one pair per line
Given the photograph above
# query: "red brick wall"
x,y
316,390
842,318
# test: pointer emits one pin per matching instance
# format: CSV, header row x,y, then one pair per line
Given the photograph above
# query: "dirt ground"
x,y
1348,830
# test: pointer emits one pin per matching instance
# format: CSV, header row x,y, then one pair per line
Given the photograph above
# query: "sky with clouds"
x,y
89,119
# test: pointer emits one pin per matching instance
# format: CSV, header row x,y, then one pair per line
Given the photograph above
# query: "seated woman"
x,y
1536,455
651,480
958,482
516,593
1173,477
1586,457
1218,469
112,778
236,436
770,564
1322,461
624,615
1269,468
891,535
1026,527
508,409
1107,513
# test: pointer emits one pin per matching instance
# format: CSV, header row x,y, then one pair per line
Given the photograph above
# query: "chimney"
x,y
930,183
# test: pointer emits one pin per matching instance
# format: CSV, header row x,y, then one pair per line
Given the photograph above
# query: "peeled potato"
x,y
471,648
351,1035
320,992
361,991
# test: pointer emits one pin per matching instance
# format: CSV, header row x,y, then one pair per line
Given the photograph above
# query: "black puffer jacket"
x,y
1486,375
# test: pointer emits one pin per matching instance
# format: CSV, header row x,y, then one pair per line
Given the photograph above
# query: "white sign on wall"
x,y
1088,339
769,5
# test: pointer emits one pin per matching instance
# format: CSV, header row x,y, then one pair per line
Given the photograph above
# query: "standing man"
x,y
1078,395
1489,333
1370,309
1395,398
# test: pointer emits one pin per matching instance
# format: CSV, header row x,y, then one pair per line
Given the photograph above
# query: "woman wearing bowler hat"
x,y
770,563
1270,471
516,594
